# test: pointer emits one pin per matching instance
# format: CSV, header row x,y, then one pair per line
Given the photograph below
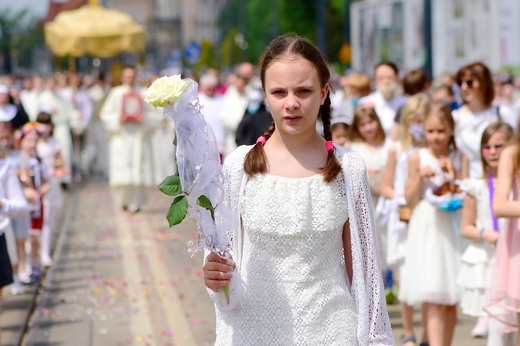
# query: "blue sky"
x,y
37,7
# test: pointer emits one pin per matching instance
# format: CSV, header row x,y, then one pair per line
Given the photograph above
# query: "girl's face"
x,y
492,149
339,135
416,129
28,143
437,133
45,130
368,128
294,94
6,139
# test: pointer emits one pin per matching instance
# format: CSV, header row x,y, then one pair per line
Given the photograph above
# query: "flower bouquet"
x,y
448,196
197,185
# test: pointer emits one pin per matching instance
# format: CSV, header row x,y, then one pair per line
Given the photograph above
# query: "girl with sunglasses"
x,y
476,114
481,227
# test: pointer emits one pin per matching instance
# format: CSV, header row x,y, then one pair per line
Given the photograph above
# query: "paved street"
x,y
121,279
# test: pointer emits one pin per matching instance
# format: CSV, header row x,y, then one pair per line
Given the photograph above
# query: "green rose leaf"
x,y
175,140
171,186
178,210
204,202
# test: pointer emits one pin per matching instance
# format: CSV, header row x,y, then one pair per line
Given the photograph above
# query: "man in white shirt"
x,y
235,103
385,100
211,105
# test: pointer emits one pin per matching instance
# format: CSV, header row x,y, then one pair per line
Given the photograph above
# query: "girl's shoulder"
x,y
474,186
235,161
349,159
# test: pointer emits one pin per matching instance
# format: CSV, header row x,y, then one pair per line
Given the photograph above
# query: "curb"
x,y
68,206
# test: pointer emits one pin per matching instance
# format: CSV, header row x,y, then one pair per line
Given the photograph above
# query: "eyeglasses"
x,y
487,147
468,82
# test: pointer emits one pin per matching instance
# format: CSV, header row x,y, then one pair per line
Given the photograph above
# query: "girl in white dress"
x,y
49,151
433,248
367,138
479,225
306,249
393,188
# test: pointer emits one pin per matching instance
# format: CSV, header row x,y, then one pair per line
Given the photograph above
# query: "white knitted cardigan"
x,y
373,327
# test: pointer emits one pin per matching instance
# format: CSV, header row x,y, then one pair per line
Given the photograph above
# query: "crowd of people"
x,y
432,150
432,154
441,155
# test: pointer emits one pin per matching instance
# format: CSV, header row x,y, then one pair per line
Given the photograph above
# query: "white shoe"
x,y
480,330
16,288
46,261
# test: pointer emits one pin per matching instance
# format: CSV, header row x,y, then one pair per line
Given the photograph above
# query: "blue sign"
x,y
192,52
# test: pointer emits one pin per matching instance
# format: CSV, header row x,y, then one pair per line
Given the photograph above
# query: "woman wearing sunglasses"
x,y
476,114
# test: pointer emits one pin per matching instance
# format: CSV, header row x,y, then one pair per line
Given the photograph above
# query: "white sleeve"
x,y
14,203
367,285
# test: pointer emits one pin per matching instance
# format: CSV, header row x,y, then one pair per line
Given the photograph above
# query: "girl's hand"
x,y
372,172
31,194
447,166
426,172
44,189
490,236
217,271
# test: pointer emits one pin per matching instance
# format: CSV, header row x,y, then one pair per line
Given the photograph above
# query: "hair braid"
x,y
256,161
332,167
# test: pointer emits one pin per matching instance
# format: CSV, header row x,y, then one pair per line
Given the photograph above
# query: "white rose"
x,y
165,91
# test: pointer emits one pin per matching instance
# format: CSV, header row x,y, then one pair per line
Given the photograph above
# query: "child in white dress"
x,y
49,151
367,138
393,189
434,248
305,249
479,225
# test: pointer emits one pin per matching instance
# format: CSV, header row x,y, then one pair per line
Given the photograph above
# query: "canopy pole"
x,y
72,64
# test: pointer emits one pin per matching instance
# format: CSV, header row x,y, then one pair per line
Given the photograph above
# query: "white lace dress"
x,y
292,265
296,290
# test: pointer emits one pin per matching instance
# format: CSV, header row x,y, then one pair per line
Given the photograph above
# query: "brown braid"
x,y
256,161
332,167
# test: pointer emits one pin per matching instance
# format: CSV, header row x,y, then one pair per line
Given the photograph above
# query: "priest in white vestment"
x,y
129,123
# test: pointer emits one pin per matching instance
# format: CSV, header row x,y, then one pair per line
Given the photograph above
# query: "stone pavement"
x,y
121,279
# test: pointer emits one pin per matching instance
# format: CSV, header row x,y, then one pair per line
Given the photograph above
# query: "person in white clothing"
x,y
386,99
477,113
211,105
129,123
235,103
308,253
12,203
433,248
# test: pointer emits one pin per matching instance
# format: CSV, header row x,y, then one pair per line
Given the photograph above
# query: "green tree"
x,y
19,35
262,20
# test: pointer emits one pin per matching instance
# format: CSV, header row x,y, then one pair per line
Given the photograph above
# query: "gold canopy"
x,y
94,30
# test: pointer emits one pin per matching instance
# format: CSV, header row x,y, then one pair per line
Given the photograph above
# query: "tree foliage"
x,y
262,20
19,35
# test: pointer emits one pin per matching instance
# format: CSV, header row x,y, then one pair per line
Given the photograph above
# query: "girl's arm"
x,y
347,251
464,167
502,206
387,185
58,161
468,228
413,187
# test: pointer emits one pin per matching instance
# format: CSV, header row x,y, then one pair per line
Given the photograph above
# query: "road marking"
x,y
139,323
169,298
